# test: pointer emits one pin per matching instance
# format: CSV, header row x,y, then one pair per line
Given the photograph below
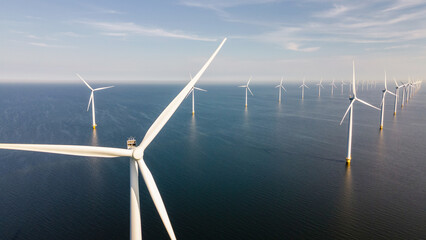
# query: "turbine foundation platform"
x,y
348,161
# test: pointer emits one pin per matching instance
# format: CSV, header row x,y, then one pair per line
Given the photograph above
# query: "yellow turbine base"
x,y
348,161
381,127
94,126
193,113
394,113
246,105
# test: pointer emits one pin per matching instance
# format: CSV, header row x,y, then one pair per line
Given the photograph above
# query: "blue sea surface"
x,y
271,171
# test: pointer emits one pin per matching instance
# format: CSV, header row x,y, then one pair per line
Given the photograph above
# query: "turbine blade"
x,y
102,88
192,89
353,79
277,86
75,150
243,86
84,82
250,91
390,92
156,197
90,101
249,80
366,103
386,85
200,89
284,88
171,108
347,110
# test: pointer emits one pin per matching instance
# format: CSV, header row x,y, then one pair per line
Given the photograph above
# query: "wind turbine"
x,y
279,89
92,99
247,88
319,88
135,153
382,110
303,88
193,99
332,87
396,95
342,84
352,100
404,90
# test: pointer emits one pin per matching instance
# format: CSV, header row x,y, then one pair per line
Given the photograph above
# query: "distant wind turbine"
x,y
319,88
332,87
303,88
352,100
92,99
382,110
404,91
247,88
193,99
279,89
396,95
342,84
135,153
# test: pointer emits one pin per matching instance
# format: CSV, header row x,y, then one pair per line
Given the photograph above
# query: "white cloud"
x,y
132,28
46,45
336,11
71,34
115,34
296,47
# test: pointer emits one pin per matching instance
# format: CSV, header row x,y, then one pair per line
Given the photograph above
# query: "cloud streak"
x,y
131,28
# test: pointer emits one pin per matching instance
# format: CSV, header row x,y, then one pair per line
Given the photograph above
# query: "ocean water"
x,y
271,171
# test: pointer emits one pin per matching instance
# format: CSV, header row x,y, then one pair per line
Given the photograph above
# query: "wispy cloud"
x,y
114,34
46,45
403,4
296,47
336,11
131,28
71,34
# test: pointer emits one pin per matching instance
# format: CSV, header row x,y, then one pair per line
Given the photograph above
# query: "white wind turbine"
x,y
319,88
352,100
382,110
279,89
247,88
404,90
397,87
332,87
92,99
193,99
303,88
136,158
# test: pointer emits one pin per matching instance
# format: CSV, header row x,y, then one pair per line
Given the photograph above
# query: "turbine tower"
x,y
404,90
303,88
332,87
92,99
352,100
382,110
396,96
319,88
135,153
247,88
341,85
280,86
193,98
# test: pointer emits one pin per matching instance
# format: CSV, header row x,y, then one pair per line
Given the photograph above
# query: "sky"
x,y
165,41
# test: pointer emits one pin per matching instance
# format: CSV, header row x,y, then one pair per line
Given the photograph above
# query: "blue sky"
x,y
163,41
